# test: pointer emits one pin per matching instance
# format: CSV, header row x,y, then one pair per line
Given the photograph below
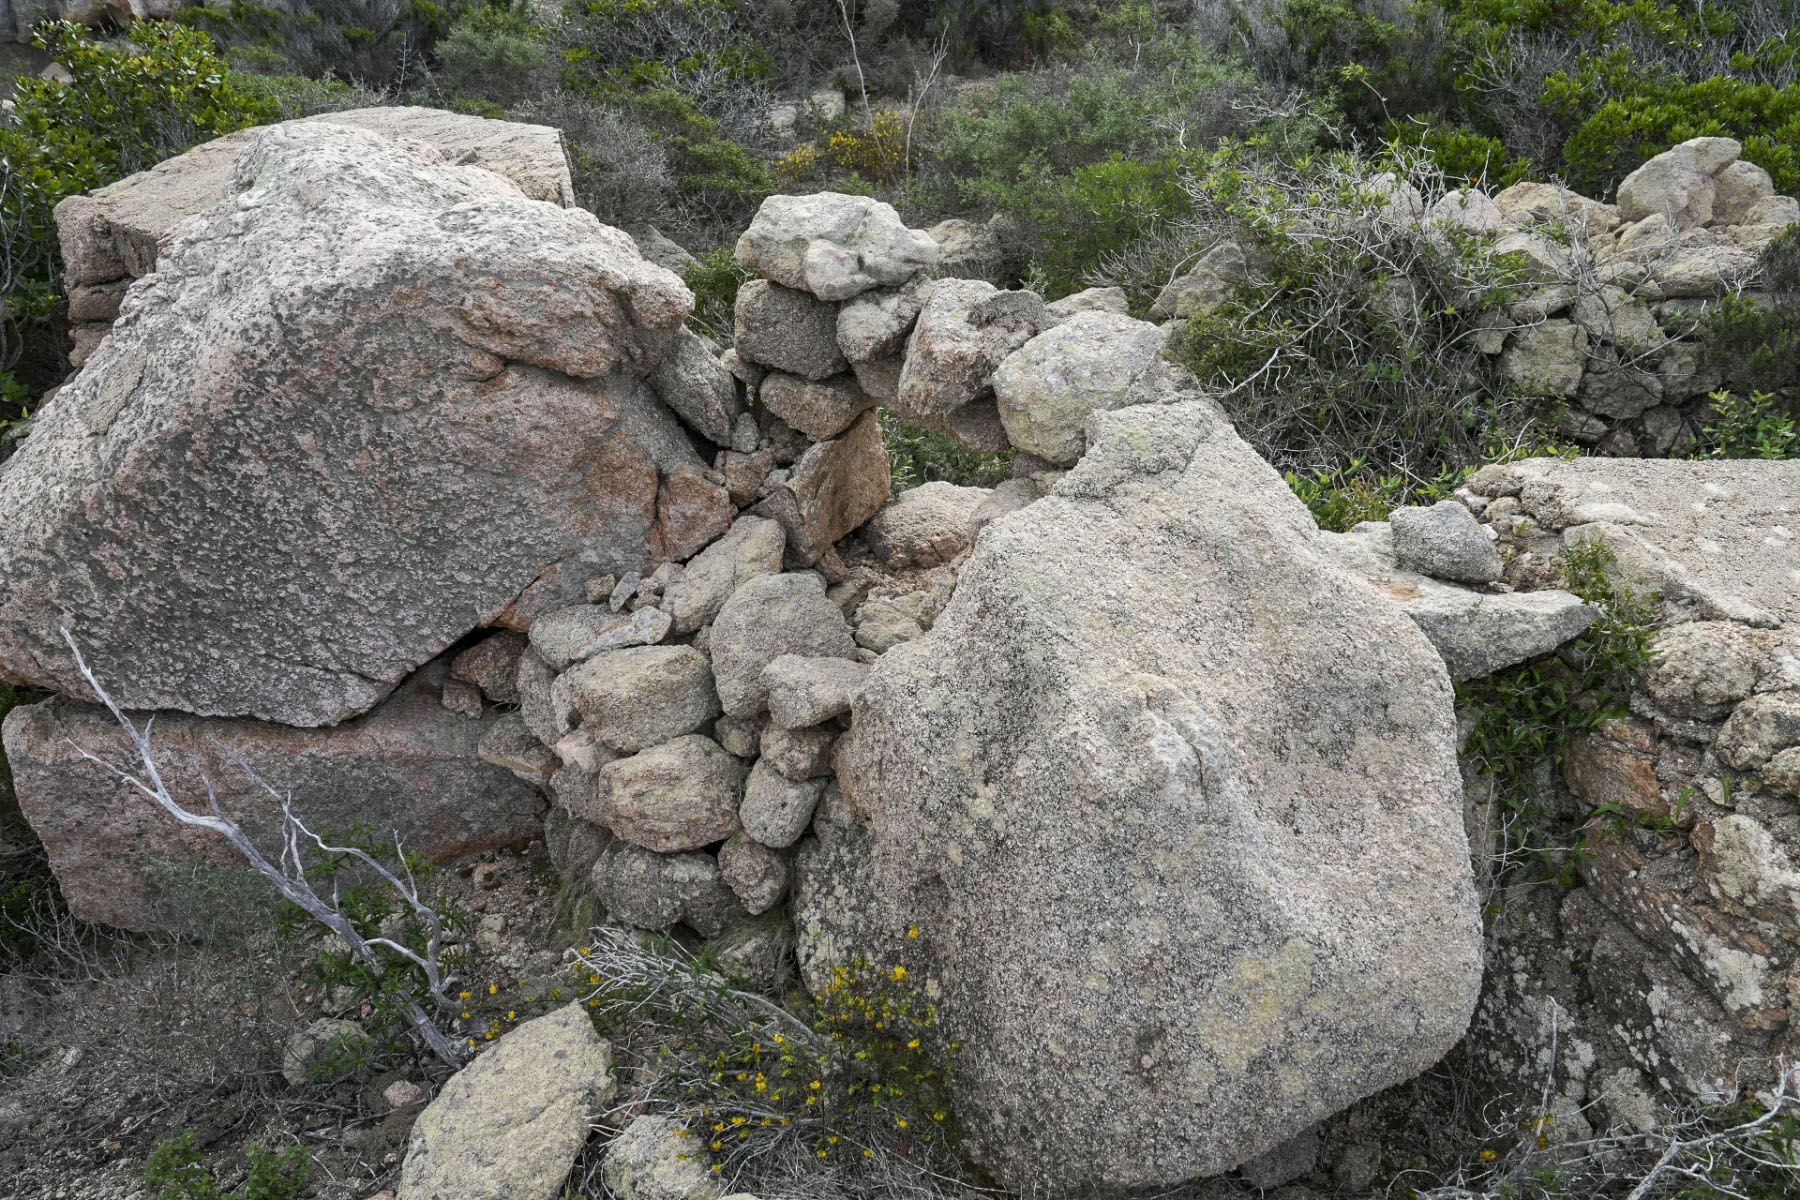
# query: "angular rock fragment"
x,y
509,743
699,388
509,1124
634,698
577,633
833,488
681,795
786,330
755,873
1444,541
492,664
875,324
818,408
798,753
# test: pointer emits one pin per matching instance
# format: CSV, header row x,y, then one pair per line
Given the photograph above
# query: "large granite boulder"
x,y
409,769
1173,805
509,1125
366,403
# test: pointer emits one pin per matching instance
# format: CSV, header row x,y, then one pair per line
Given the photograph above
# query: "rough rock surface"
x,y
821,408
681,795
1444,541
925,526
777,809
654,891
287,501
1678,183
768,617
115,230
752,547
1476,632
651,1160
509,1125
634,698
1720,539
875,324
805,691
1205,817
833,488
755,873
832,245
788,330
1092,361
409,767
952,351
699,388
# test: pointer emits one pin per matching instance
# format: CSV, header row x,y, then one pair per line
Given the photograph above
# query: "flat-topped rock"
x,y
130,215
1719,537
408,769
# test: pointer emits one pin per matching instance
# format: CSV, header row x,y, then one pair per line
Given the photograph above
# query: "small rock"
x,y
508,743
326,1051
402,1093
577,633
1701,669
924,526
698,388
463,698
818,408
739,737
751,549
544,700
875,324
1738,188
1445,541
599,589
653,1160
1097,299
1759,729
681,795
883,622
754,872
797,753
776,809
804,690
488,933
492,664
509,1124
832,489
1547,359
1093,361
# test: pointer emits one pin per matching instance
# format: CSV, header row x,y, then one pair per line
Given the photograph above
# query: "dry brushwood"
x,y
289,879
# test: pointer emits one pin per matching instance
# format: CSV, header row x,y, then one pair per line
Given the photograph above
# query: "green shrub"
x,y
1750,426
391,990
1353,338
380,44
1526,716
175,1170
714,279
918,455
1088,158
493,53
1755,344
130,105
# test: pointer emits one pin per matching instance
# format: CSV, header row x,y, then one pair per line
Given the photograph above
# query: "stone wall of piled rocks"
x,y
1614,292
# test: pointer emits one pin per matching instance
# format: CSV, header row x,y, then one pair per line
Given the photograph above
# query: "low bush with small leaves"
x,y
175,1171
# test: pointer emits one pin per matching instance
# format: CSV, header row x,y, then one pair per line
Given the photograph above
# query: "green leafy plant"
x,y
176,1172
714,279
918,455
390,986
1752,426
1526,716
128,105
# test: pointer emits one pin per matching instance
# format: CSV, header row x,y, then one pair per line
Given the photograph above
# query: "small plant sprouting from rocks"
x,y
1526,716
1750,426
857,1089
174,1172
405,978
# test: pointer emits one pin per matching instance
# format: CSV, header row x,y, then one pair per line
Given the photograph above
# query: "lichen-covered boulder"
x,y
509,1125
366,403
1092,361
1189,790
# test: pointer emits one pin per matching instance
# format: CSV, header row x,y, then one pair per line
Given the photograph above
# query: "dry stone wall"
x,y
1613,292
763,699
